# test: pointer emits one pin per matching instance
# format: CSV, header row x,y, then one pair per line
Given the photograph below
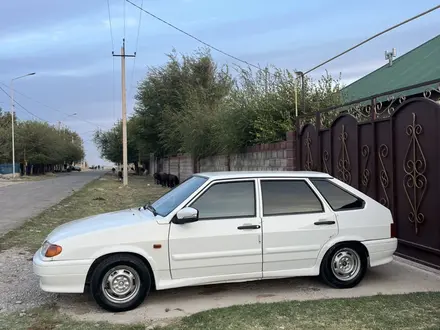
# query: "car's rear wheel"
x,y
120,283
344,266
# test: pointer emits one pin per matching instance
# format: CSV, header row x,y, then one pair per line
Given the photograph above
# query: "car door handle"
x,y
244,227
325,222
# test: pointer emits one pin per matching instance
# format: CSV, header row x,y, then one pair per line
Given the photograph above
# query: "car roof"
x,y
265,174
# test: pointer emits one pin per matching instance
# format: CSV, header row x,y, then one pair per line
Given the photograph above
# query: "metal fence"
x,y
391,151
8,169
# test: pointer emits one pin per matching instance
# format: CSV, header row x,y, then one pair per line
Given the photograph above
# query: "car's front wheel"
x,y
344,266
120,283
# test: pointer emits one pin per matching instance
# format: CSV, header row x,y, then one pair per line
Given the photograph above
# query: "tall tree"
x,y
170,92
38,143
5,137
110,143
190,105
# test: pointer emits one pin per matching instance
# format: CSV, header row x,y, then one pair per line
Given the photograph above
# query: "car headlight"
x,y
50,250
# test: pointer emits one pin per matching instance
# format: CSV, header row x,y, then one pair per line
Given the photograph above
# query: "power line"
x,y
49,107
110,23
113,64
373,37
113,89
29,112
124,19
137,44
257,67
139,26
194,37
87,132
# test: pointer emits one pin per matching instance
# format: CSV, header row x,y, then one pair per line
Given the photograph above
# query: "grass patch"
x,y
413,311
410,311
47,318
41,177
104,195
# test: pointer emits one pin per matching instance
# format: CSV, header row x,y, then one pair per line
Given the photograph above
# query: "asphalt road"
x,y
21,201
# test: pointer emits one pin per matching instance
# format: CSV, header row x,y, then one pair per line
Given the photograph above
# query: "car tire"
x,y
344,266
120,283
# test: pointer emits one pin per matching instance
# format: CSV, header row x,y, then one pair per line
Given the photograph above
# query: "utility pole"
x,y
124,113
303,91
296,99
13,129
12,119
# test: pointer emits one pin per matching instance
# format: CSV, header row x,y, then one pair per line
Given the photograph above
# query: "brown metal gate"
x,y
389,148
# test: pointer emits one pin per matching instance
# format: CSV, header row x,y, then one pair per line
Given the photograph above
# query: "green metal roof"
x,y
415,67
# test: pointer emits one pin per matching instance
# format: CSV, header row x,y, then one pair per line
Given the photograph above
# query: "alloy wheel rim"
x,y
121,284
346,264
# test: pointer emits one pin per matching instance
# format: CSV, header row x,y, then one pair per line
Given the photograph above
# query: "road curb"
x,y
417,265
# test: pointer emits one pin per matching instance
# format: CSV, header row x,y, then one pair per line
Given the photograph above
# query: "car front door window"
x,y
168,202
225,243
227,200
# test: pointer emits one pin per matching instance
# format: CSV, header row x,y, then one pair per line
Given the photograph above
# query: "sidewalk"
x,y
5,183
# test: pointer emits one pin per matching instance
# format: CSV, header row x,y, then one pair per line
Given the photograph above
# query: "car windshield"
x,y
175,197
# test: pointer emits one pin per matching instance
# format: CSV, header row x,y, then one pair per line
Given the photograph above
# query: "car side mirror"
x,y
186,215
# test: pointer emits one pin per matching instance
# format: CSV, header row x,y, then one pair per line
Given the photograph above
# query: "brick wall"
x,y
280,156
166,165
153,165
214,163
174,165
186,166
262,157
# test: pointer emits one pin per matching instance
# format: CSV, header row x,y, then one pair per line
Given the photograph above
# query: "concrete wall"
x,y
280,156
186,167
214,164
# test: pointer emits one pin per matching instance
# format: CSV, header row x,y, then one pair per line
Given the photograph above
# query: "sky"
x,y
69,45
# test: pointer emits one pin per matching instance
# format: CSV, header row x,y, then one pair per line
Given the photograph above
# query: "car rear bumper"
x,y
381,251
67,276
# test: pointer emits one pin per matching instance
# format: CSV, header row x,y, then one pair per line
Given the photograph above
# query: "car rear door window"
x,y
227,200
338,198
282,197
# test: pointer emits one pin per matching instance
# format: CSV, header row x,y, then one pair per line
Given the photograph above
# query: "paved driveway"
x,y
20,201
398,277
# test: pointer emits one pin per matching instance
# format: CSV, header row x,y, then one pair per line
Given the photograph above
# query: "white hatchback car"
x,y
221,227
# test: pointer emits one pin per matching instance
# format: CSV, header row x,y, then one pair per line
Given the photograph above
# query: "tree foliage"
x,y
38,143
191,105
110,142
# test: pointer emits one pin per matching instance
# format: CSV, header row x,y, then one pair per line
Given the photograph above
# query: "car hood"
x,y
98,223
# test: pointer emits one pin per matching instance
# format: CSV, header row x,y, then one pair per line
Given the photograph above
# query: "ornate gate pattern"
x,y
389,148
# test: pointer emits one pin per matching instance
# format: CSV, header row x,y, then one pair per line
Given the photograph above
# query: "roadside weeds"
x,y
28,178
103,195
405,312
408,311
47,318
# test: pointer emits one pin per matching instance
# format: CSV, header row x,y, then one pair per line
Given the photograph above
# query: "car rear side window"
x,y
338,198
227,200
282,197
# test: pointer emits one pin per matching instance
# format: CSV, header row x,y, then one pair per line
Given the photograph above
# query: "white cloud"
x,y
347,82
73,73
71,33
359,69
351,72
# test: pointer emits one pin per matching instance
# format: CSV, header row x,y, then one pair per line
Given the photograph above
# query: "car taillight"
x,y
392,231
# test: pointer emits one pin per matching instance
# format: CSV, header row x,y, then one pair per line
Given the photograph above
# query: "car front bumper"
x,y
381,251
61,276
